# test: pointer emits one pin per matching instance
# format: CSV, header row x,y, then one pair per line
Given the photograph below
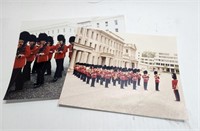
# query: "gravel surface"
x,y
49,90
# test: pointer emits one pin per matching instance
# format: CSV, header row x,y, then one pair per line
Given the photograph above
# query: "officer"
x,y
134,78
175,86
42,58
23,51
50,43
157,80
93,76
30,58
60,51
146,79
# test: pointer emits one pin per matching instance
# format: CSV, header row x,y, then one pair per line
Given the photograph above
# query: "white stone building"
x,y
100,47
167,62
69,27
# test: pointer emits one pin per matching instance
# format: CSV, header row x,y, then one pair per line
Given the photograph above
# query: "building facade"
x,y
100,47
69,27
162,62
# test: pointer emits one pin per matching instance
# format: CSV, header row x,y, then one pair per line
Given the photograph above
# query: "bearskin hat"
x,y
24,36
155,72
33,38
174,76
50,39
61,38
145,72
42,37
72,39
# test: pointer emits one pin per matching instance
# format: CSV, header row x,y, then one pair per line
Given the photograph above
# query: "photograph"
x,y
134,74
43,54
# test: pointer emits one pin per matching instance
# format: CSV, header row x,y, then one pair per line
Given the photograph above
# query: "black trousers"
x,y
119,80
129,81
139,82
88,80
126,81
17,78
98,78
40,72
59,68
157,86
101,81
134,84
114,82
122,84
93,82
176,92
107,82
48,67
34,69
145,85
27,71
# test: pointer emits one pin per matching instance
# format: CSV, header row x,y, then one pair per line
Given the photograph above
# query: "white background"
x,y
170,17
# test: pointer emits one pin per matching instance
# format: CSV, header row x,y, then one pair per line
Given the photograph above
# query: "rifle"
x,y
61,48
42,49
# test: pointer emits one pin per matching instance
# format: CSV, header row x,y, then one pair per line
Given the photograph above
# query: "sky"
x,y
157,43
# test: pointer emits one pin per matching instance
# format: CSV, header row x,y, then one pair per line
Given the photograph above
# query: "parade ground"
x,y
160,104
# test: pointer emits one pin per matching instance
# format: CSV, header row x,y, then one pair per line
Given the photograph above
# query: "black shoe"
x,y
54,79
37,85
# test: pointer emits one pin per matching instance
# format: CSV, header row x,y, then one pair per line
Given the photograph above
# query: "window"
x,y
70,30
81,30
95,46
79,40
106,23
52,31
87,32
97,25
97,37
116,30
90,44
85,42
126,50
48,32
63,30
58,30
116,22
92,34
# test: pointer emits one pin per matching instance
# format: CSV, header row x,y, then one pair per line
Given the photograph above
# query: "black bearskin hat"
x,y
61,38
174,76
134,70
145,72
50,39
24,36
42,37
155,72
33,38
71,39
138,70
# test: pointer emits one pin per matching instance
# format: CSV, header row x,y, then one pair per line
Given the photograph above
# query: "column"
x,y
72,62
78,56
107,61
95,60
89,61
85,57
99,61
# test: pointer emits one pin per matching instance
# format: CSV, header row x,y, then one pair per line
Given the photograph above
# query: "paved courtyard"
x,y
162,104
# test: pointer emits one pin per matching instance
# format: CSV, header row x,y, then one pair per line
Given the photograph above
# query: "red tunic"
x,y
108,75
60,55
146,78
34,51
122,77
45,56
51,51
94,74
157,78
20,62
70,50
134,76
174,84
